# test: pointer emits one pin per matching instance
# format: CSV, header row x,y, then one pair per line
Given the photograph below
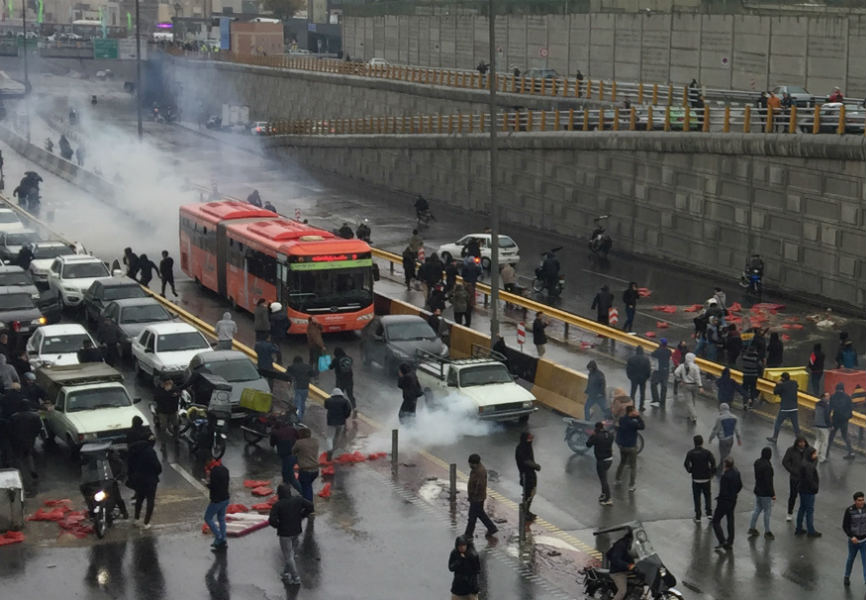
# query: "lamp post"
x,y
26,74
494,205
138,69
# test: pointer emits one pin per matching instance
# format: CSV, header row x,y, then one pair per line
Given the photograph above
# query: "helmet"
x,y
276,307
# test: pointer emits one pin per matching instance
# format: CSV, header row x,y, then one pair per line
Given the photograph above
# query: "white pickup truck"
x,y
90,404
484,382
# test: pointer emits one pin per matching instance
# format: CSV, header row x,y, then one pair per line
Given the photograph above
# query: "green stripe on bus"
x,y
337,264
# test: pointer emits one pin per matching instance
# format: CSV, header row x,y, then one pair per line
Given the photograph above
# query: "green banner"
x,y
104,48
129,21
41,15
337,264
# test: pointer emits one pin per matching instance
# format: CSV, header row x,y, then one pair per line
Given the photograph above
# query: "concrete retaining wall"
x,y
721,51
278,94
700,201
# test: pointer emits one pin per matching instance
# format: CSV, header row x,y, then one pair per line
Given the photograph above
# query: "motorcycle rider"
x,y
346,232
620,563
754,266
550,272
421,206
363,231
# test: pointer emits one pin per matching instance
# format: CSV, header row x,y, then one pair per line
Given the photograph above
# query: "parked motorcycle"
x,y
600,241
648,580
206,427
753,275
577,431
540,282
99,486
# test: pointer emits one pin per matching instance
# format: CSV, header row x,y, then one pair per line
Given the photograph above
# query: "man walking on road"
x,y
539,336
788,410
816,371
527,467
300,374
626,439
226,329
793,459
726,428
286,517
306,451
729,486
808,489
629,299
841,411
701,464
601,303
166,273
689,376
339,409
752,369
476,492
765,494
659,377
822,427
601,441
638,370
854,526
595,391
315,343
215,515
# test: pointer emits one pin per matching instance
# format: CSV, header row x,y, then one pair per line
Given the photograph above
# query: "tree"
x,y
284,9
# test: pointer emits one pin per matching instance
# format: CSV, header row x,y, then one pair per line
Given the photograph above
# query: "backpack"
x,y
344,365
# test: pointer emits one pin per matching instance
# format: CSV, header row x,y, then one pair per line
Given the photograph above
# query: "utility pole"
x,y
26,74
494,203
138,69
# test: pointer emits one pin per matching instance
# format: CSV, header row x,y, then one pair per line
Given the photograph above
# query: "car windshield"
x,y
15,301
82,270
177,342
795,89
506,242
14,278
484,374
110,397
52,251
62,344
404,331
19,238
146,313
121,292
241,369
7,216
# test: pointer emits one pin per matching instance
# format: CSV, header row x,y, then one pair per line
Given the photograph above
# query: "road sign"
x,y
297,214
104,48
543,52
521,334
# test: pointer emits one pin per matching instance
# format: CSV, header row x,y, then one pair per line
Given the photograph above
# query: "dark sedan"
x,y
109,289
123,320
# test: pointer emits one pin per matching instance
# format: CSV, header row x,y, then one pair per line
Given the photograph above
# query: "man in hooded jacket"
x,y
841,411
466,566
527,467
287,516
226,329
595,391
638,370
726,428
793,459
689,376
338,410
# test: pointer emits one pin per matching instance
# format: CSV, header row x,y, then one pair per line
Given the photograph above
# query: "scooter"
x,y
752,280
648,580
577,431
205,427
600,241
540,282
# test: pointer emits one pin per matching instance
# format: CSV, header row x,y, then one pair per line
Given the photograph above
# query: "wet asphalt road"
x,y
786,568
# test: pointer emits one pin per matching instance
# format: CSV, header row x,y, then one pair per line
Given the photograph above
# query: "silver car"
x,y
233,366
394,339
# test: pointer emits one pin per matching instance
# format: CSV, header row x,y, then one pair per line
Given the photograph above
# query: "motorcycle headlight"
x,y
100,496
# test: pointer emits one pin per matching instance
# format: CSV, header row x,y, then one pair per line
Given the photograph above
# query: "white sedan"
x,y
508,250
57,344
165,349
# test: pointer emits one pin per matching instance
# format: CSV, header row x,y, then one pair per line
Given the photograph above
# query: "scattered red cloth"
x,y
661,325
11,537
797,326
693,308
273,499
786,326
262,506
329,470
643,292
323,459
236,508
254,483
769,306
354,457
665,308
786,337
48,515
262,491
66,502
650,334
326,491
376,455
735,307
585,345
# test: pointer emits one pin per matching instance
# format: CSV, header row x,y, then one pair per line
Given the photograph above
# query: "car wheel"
x,y
446,256
485,264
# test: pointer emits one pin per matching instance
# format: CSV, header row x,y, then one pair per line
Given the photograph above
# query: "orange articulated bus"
x,y
245,253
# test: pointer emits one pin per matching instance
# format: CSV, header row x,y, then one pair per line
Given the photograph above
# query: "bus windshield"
x,y
346,289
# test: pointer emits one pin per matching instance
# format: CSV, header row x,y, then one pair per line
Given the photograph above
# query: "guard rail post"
x,y
670,94
685,95
585,119
792,119
532,85
600,113
571,119
649,118
588,88
726,125
543,120
613,91
841,128
616,118
668,117
553,88
529,120
640,93
706,125
770,125
351,127
687,118
655,94
556,120
577,88
379,125
632,119
816,119
747,119
522,83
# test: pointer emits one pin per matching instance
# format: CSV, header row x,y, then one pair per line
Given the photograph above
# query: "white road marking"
x,y
192,480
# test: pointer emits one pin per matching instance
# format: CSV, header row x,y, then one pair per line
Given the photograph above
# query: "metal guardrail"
x,y
828,118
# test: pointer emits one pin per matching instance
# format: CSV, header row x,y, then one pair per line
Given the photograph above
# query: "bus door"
x,y
282,279
222,247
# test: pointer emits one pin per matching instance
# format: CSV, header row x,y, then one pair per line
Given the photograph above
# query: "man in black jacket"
x,y
338,410
601,303
527,467
286,517
841,411
729,486
701,463
638,370
792,460
595,391
787,392
215,514
601,441
659,377
629,299
808,489
765,494
854,526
